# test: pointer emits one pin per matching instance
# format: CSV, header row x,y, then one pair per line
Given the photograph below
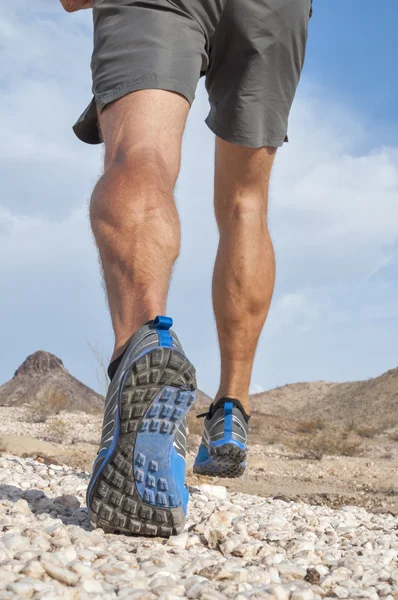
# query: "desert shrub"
x,y
40,414
368,431
394,436
56,430
58,401
330,442
51,403
311,426
351,424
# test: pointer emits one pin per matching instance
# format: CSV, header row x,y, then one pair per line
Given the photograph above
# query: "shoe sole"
x,y
226,460
136,491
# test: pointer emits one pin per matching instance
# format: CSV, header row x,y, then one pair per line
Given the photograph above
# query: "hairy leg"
x,y
244,272
133,215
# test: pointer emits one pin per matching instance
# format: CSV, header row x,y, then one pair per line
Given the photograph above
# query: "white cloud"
x,y
296,309
256,388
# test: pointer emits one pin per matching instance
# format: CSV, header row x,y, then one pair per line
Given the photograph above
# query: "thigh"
x,y
147,123
151,45
255,65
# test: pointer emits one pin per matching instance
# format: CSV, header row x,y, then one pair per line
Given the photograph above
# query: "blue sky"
x,y
333,207
351,52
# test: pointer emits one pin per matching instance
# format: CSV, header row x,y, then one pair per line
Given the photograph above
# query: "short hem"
x,y
147,82
241,139
86,128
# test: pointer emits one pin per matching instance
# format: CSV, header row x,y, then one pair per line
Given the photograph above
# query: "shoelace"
x,y
206,414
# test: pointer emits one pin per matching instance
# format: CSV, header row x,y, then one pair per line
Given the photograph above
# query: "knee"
x,y
242,208
137,184
144,163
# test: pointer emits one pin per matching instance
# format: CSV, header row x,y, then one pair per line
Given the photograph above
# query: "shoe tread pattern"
x,y
116,505
227,461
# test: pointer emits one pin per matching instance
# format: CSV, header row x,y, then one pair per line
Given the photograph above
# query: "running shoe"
x,y
137,485
223,450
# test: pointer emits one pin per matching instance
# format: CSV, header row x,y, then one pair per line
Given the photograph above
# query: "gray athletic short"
x,y
251,53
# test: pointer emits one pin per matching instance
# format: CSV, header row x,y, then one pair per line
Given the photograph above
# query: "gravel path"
x,y
235,546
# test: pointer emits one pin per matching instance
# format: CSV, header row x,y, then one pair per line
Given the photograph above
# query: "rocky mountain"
x,y
43,379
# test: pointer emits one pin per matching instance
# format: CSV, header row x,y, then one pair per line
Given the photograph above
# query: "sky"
x,y
333,205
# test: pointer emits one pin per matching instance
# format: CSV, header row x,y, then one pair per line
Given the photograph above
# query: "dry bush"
x,y
351,424
311,426
330,442
270,441
393,436
101,369
51,403
40,414
56,431
368,431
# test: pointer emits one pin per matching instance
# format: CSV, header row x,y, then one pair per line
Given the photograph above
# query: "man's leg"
x,y
243,283
249,109
244,272
133,214
137,481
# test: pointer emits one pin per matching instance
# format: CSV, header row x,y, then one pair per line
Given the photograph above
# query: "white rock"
x,y
69,553
84,571
86,555
213,491
340,574
22,507
288,568
279,592
33,569
41,543
15,542
340,592
178,541
274,575
322,570
195,591
92,586
389,556
22,588
162,582
59,572
305,594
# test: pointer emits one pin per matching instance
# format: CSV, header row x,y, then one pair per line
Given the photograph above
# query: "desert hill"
x,y
42,379
371,402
